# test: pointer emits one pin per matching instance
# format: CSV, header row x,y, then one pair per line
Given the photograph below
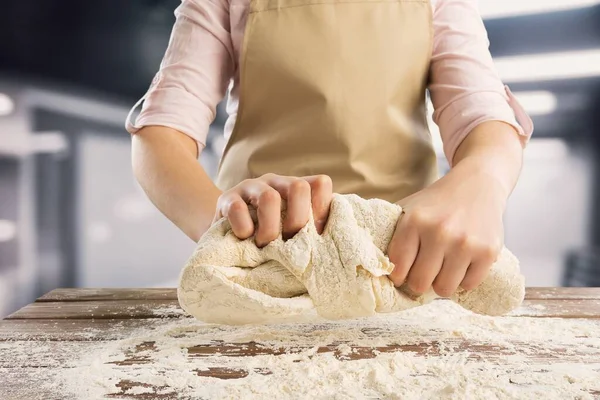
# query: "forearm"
x,y
493,150
165,164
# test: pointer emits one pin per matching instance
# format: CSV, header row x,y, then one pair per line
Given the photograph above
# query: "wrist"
x,y
487,175
493,154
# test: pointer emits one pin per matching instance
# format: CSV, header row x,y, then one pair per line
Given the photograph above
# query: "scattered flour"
x,y
140,390
533,358
168,311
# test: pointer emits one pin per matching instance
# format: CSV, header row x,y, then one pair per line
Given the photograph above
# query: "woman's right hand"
x,y
265,194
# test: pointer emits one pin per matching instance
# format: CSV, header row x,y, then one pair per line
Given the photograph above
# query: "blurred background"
x,y
72,215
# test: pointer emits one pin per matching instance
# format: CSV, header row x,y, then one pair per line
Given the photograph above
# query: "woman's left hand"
x,y
450,233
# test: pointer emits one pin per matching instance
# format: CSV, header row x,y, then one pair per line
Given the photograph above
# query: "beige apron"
x,y
335,87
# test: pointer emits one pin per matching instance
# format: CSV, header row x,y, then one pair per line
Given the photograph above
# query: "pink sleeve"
x,y
194,73
465,87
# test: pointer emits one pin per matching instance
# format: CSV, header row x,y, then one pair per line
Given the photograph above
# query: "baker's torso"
x,y
238,16
333,87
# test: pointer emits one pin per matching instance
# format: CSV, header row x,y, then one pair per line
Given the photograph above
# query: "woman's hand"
x,y
452,232
266,194
449,235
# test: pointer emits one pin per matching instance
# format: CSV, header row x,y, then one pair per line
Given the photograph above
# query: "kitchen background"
x,y
71,213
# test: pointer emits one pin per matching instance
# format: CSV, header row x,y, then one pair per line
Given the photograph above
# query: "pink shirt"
x,y
204,51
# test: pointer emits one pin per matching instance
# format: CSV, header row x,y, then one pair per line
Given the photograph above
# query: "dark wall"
x,y
114,46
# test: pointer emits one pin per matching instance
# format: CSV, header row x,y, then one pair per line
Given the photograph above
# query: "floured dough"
x,y
340,274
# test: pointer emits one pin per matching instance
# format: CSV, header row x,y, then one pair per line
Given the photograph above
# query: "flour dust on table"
x,y
380,357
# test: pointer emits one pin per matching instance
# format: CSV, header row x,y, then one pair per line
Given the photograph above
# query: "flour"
x,y
533,358
168,311
341,274
140,390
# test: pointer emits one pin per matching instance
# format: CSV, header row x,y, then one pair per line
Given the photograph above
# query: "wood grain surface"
x,y
87,294
54,330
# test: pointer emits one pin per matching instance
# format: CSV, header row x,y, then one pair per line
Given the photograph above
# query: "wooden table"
x,y
66,321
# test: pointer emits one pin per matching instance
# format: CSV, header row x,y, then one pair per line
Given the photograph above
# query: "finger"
x,y
296,192
321,195
235,209
268,206
298,207
478,270
452,274
403,250
426,266
218,214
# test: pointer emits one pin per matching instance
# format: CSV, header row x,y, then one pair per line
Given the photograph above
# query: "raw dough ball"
x,y
340,274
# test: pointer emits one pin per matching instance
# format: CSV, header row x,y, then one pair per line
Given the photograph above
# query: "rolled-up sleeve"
x,y
194,73
465,87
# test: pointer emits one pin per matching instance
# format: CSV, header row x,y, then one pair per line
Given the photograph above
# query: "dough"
x,y
341,274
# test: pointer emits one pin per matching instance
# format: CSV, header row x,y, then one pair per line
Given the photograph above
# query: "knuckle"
x,y
235,207
464,242
244,183
323,182
490,252
445,231
419,218
222,199
227,195
268,176
487,251
269,195
299,186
